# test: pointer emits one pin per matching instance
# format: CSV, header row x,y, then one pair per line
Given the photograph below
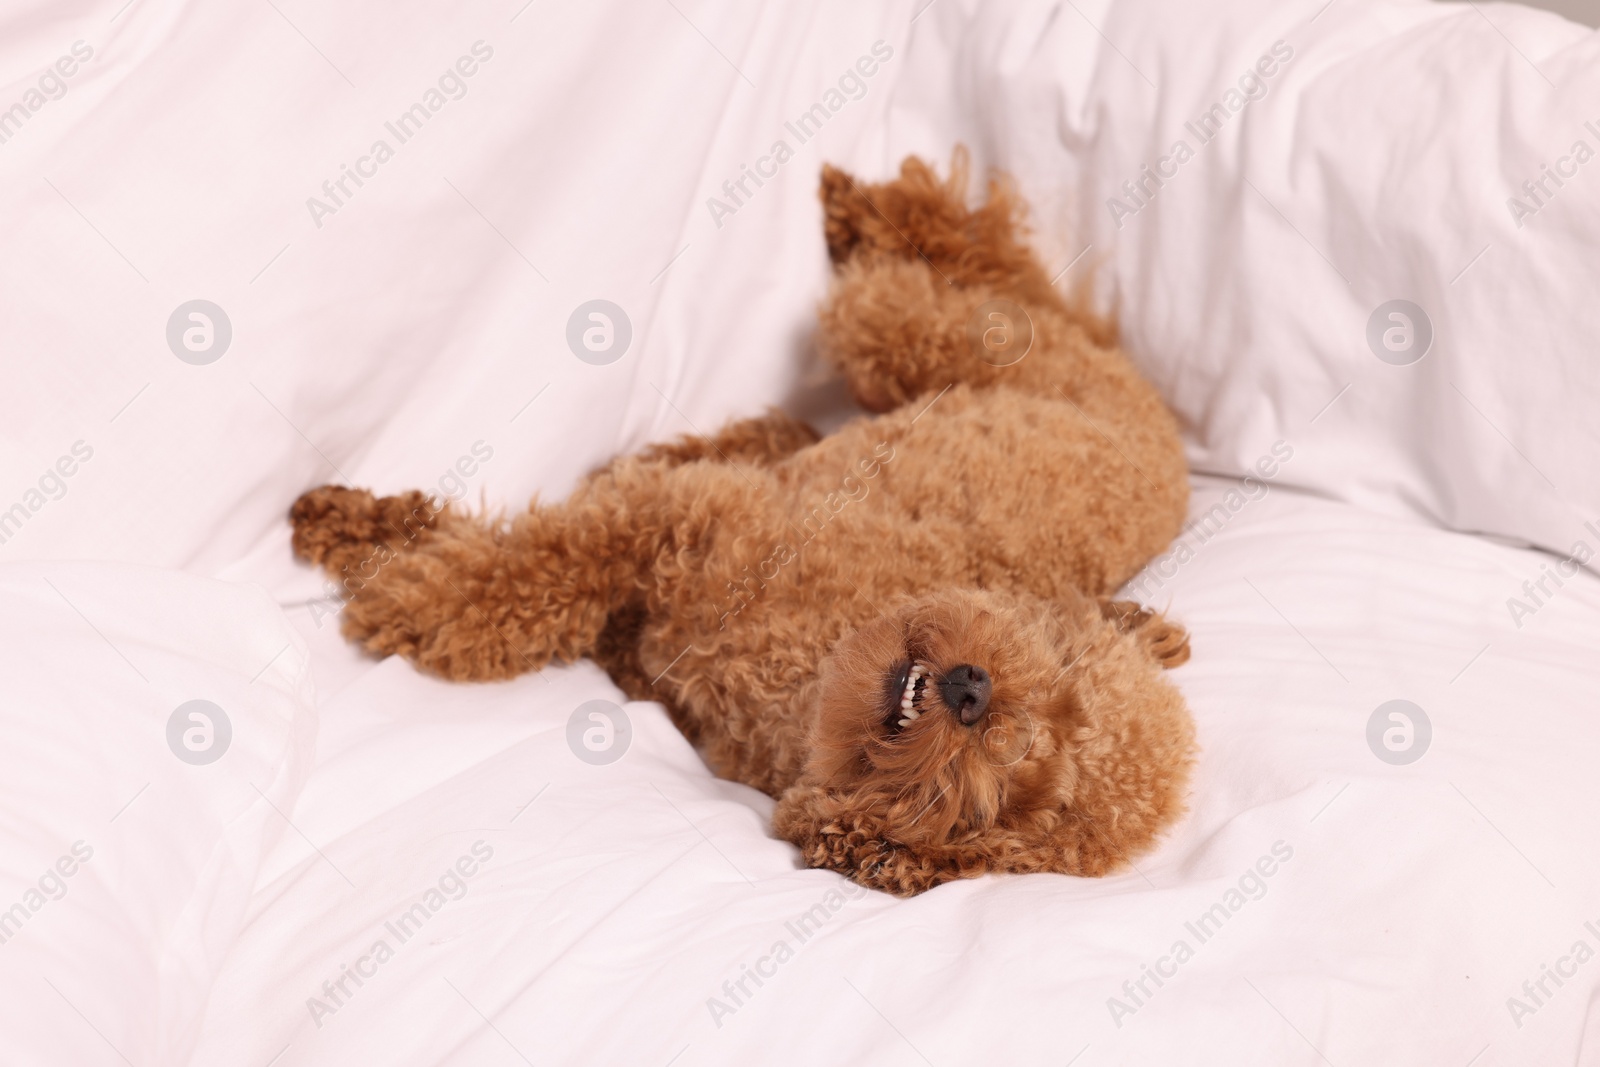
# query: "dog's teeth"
x,y
915,681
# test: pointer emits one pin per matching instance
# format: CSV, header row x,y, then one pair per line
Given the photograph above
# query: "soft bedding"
x,y
157,729
1366,228
1371,911
1385,859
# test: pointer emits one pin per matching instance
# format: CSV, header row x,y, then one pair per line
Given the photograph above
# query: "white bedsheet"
x,y
609,913
1405,904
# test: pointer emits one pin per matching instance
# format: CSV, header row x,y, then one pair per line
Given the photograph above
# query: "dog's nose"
x,y
965,691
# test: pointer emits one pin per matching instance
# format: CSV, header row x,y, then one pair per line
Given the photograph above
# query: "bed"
x,y
1364,283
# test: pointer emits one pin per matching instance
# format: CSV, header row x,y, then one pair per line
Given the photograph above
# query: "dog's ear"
x,y
850,833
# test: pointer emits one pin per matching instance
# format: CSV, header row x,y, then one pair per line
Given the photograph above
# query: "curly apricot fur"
x,y
766,585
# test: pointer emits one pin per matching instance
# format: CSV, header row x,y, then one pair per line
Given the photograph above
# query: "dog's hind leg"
x,y
928,292
916,218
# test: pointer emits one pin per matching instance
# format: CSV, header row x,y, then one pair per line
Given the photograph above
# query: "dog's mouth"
x,y
906,685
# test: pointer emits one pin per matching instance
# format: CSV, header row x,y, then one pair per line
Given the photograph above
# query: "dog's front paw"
x,y
1166,641
872,862
839,835
896,870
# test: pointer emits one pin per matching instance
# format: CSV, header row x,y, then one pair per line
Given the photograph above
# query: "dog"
x,y
901,631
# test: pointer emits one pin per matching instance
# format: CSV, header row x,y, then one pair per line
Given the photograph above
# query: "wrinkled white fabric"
x,y
432,325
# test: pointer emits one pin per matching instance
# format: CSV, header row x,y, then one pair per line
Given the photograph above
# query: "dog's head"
x,y
969,732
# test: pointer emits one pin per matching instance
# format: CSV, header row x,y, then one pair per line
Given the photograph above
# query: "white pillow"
x,y
125,867
1359,153
424,318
